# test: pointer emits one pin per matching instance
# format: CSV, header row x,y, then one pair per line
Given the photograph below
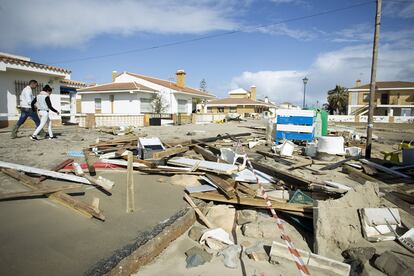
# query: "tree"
x,y
203,85
158,104
337,100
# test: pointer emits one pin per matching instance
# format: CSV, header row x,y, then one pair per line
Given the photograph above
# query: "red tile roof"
x,y
172,85
116,86
14,60
237,101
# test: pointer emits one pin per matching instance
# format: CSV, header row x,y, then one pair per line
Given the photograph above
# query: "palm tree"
x,y
338,99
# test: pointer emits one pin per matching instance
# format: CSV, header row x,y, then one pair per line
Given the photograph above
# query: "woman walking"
x,y
44,105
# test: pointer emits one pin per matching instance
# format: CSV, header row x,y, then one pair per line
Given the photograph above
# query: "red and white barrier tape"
x,y
293,251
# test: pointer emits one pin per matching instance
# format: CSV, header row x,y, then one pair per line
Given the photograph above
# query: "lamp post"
x,y
305,81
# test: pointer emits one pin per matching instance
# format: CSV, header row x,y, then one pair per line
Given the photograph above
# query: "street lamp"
x,y
305,81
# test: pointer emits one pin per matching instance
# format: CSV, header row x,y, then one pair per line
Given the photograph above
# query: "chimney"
x,y
114,75
253,92
180,78
358,83
266,100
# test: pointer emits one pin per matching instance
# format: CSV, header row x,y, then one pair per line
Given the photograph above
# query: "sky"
x,y
272,44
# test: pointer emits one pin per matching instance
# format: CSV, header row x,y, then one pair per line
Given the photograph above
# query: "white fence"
x,y
112,120
377,119
207,118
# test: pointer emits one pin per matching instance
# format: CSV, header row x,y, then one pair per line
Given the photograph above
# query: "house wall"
x,y
245,109
123,103
396,97
239,109
9,113
170,96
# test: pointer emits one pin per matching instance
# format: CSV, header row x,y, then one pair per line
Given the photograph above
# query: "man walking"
x,y
26,99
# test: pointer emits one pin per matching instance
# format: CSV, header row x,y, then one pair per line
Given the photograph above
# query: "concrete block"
x,y
246,216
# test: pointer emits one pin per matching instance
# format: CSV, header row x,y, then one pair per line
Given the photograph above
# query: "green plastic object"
x,y
324,118
302,198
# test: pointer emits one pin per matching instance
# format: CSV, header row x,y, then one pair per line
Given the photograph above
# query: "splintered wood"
x,y
130,200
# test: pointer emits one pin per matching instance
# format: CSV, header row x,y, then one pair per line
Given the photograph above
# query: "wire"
x,y
186,41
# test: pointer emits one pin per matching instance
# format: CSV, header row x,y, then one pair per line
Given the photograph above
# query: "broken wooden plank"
x,y
56,168
169,152
205,165
88,161
100,181
383,168
306,162
200,214
147,163
284,175
219,137
59,197
222,185
338,164
357,175
255,202
38,192
52,174
130,200
208,155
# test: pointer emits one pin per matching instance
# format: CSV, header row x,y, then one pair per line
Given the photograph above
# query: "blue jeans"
x,y
28,112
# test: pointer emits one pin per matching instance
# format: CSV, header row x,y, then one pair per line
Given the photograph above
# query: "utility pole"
x,y
373,81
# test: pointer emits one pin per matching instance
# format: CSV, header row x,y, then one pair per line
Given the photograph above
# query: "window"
x,y
112,100
146,105
233,109
220,109
182,106
98,105
366,97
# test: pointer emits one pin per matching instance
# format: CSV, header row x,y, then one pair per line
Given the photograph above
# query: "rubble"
x,y
326,207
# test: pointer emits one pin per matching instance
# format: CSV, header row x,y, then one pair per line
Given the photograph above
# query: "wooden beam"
x,y
130,200
208,155
200,214
358,175
219,137
38,192
383,168
222,185
256,202
338,164
52,174
59,197
56,168
91,168
169,152
284,175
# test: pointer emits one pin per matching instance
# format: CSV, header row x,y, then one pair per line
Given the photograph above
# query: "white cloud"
x,y
283,29
399,9
343,66
60,23
278,2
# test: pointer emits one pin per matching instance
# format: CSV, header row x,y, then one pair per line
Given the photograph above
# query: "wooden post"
x,y
91,168
373,81
130,207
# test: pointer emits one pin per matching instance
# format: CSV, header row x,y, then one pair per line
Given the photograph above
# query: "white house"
x,y
15,74
132,94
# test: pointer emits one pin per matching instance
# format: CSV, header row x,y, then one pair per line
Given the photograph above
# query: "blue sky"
x,y
330,49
